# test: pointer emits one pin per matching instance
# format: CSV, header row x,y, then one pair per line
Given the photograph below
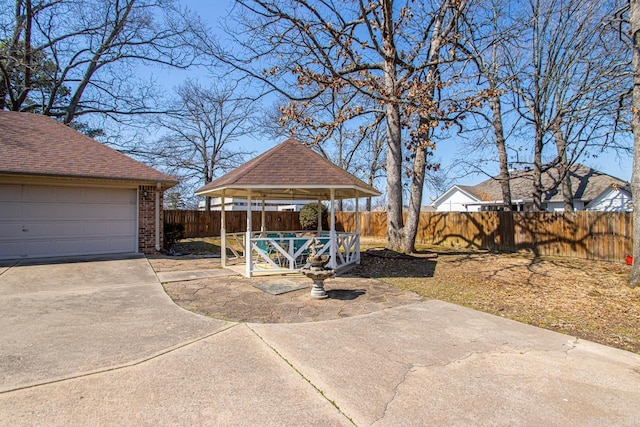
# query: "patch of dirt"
x,y
388,253
203,246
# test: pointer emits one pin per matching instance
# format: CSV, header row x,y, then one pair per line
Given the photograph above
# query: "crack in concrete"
x,y
410,368
414,367
195,292
573,345
308,380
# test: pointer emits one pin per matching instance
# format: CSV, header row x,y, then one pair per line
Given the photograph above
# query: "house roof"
x,y
289,171
586,184
36,145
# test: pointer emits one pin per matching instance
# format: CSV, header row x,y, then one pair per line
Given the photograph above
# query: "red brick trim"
x,y
147,219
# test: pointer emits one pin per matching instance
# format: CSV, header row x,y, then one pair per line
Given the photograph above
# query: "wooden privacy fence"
x,y
584,234
207,224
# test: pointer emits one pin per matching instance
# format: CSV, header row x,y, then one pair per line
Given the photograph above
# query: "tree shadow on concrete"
x,y
345,294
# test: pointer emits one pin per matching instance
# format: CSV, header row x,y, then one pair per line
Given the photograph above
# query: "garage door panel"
x,y
68,194
44,246
108,228
42,229
40,193
10,209
13,247
121,212
42,221
39,211
118,197
10,193
93,197
10,230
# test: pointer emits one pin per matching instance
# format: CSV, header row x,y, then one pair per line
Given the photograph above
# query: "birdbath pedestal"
x,y
317,273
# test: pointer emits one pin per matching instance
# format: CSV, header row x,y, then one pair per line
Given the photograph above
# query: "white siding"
x,y
611,200
456,201
235,204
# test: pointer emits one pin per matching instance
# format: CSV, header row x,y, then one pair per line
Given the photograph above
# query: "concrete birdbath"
x,y
317,272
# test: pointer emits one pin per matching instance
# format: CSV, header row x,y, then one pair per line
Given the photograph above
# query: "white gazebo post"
x,y
357,228
319,216
262,218
223,233
333,264
247,243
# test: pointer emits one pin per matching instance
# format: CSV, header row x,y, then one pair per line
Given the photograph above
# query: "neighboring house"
x,y
614,198
63,193
593,190
237,204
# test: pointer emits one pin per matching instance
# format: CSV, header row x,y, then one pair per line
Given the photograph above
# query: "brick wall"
x,y
147,219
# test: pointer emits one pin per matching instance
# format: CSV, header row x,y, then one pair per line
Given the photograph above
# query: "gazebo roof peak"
x,y
290,170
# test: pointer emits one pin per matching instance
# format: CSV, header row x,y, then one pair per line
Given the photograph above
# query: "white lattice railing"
x,y
287,251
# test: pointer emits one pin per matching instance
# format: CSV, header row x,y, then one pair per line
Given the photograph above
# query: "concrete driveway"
x,y
101,343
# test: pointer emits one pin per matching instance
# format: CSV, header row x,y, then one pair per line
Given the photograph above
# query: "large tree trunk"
x,y
423,138
537,171
565,183
415,199
496,111
395,223
565,186
634,18
563,168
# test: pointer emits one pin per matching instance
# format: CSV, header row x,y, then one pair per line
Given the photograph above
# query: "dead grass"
x,y
587,299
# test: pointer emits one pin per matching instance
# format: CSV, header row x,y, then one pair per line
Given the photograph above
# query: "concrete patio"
x,y
101,343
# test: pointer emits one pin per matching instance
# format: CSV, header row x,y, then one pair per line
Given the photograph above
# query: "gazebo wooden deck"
x,y
289,171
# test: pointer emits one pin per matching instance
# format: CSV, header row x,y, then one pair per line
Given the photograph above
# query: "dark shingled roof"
x,y
288,170
32,144
586,184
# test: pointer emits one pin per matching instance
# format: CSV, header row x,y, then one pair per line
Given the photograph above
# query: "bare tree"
x,y
566,72
201,131
66,58
387,51
355,145
485,46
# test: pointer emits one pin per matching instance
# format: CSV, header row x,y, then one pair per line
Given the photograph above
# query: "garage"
x,y
44,221
64,194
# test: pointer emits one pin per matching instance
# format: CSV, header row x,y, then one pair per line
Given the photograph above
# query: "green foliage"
x,y
172,233
309,217
41,83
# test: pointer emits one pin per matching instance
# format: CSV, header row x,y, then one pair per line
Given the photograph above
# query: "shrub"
x,y
309,217
173,231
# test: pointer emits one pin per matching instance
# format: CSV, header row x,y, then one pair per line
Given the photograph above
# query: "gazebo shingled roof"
x,y
289,171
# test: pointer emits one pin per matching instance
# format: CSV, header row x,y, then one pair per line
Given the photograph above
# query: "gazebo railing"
x,y
235,244
347,249
287,251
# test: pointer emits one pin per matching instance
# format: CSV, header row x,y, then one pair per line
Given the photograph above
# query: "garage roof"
x,y
290,170
33,144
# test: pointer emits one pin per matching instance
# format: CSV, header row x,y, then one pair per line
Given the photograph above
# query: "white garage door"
x,y
43,221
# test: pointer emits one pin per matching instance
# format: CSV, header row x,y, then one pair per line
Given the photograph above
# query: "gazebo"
x,y
289,171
